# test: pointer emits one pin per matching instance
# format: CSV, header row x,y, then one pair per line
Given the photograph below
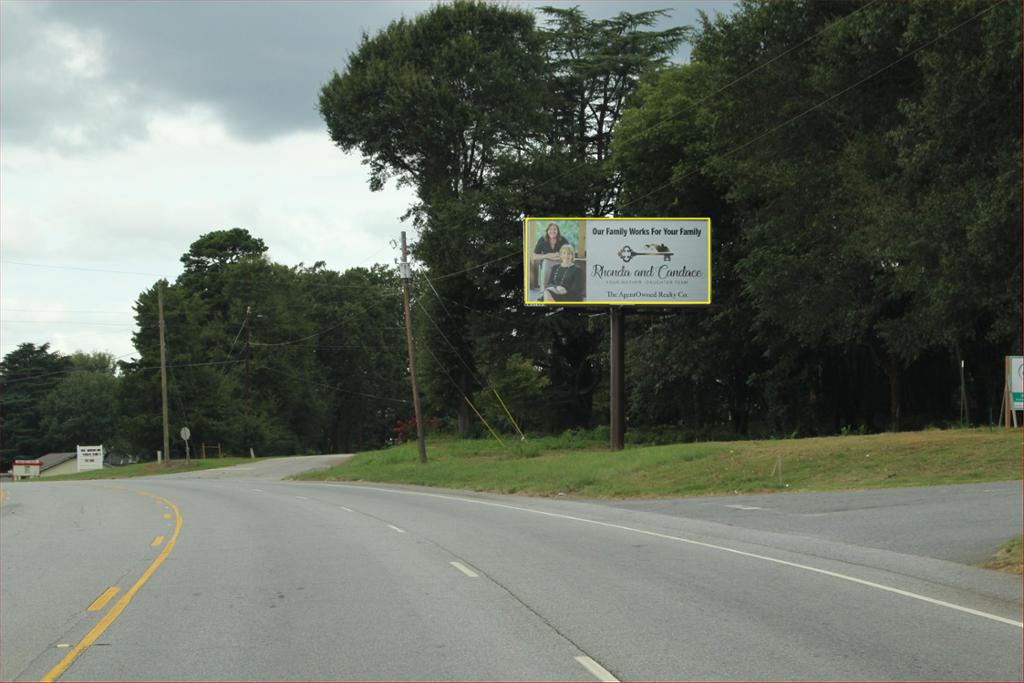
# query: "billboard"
x,y
617,261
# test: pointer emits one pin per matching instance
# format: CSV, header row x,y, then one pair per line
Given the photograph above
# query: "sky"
x,y
129,129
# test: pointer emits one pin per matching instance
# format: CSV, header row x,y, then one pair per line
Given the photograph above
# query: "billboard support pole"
x,y
617,357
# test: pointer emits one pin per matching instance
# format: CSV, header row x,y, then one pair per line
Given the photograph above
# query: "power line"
x,y
478,266
310,336
63,322
330,347
51,310
456,351
238,334
335,388
90,270
147,367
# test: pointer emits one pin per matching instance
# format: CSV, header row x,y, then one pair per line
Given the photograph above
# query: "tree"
x,y
27,375
862,155
361,357
436,101
83,408
260,355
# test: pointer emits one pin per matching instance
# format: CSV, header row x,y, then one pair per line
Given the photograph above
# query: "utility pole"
x,y
248,358
248,376
617,358
404,272
163,373
964,417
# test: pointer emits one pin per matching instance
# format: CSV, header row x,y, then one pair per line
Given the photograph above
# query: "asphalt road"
x,y
261,579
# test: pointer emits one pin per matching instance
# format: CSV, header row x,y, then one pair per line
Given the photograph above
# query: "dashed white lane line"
x,y
392,526
258,490
465,570
599,672
743,507
302,498
712,546
345,508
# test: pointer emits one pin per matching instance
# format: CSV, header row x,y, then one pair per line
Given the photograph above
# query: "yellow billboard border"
x,y
526,261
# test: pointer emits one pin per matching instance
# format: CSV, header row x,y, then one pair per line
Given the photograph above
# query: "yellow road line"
x,y
168,515
3,495
115,611
101,602
156,541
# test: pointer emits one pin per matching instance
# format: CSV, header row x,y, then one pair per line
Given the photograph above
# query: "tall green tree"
x,y
27,375
279,359
83,408
862,154
594,67
435,101
360,357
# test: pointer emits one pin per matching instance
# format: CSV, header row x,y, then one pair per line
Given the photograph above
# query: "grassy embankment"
x,y
545,467
1008,559
148,469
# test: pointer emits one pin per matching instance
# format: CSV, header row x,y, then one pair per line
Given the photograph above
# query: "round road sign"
x,y
185,433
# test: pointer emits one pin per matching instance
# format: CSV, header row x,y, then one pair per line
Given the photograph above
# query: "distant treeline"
x,y
860,162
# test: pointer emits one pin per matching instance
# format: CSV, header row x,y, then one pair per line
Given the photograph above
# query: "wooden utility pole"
x,y
248,358
163,373
965,418
404,271
617,361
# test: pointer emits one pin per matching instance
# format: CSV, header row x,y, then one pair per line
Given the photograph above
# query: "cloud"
x,y
81,75
138,207
187,176
55,90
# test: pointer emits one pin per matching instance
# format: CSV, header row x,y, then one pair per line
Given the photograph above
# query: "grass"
x,y
545,467
1008,559
148,469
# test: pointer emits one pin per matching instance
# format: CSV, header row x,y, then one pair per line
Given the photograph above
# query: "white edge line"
x,y
795,565
465,570
392,526
599,672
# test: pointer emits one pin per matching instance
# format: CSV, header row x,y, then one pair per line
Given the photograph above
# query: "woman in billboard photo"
x,y
549,244
566,280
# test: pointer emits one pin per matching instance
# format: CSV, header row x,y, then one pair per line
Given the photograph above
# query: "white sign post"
x,y
185,434
1014,389
1016,382
90,458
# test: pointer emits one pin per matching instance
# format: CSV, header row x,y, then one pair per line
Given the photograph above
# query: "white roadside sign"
x,y
1015,369
90,458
